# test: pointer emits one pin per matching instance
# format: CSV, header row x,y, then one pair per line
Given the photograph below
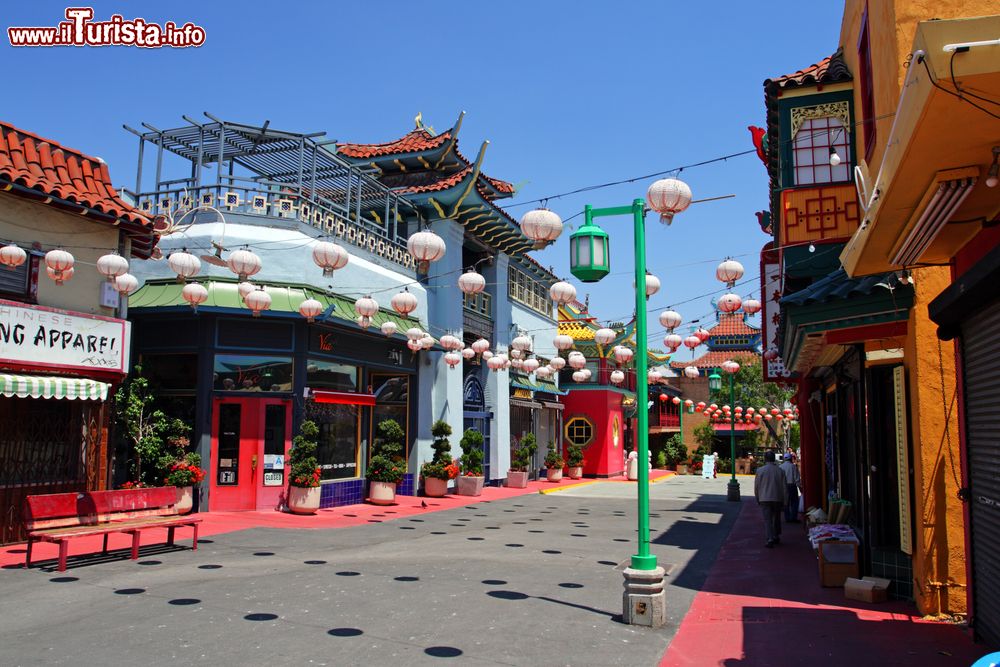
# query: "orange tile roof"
x,y
714,359
414,142
501,186
831,69
437,186
732,324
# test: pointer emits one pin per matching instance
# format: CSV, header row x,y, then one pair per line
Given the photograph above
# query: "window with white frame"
x,y
811,152
527,291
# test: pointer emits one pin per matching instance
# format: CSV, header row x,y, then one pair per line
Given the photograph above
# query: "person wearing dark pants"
x,y
792,483
770,492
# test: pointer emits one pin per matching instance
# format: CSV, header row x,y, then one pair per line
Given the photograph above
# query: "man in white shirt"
x,y
792,483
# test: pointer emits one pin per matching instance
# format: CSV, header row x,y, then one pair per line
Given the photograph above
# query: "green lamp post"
x,y
715,384
644,599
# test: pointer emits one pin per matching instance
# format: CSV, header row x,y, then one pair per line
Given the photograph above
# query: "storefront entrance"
x,y
250,441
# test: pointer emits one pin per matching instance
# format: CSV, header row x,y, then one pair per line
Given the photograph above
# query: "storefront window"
x,y
171,372
238,372
331,376
392,396
338,438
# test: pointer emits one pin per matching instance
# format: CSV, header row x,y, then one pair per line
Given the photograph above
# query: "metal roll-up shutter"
x,y
981,361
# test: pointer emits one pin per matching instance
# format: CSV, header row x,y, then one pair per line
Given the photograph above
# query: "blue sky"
x,y
568,93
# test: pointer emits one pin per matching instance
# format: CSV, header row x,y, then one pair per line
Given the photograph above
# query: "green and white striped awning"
x,y
40,386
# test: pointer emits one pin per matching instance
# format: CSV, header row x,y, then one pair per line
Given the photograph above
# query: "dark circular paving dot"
x,y
314,562
494,582
536,531
492,527
536,519
510,510
518,505
438,532
480,515
130,591
263,553
656,515
545,512
374,520
475,539
260,617
183,602
577,535
390,512
63,580
407,579
570,584
149,562
206,541
351,515
443,651
348,573
210,566
606,562
465,519
551,507
515,545
519,523
621,539
407,528
551,551
458,525
417,520
507,595
345,632
378,515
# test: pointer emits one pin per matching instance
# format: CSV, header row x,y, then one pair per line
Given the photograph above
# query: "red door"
x,y
250,440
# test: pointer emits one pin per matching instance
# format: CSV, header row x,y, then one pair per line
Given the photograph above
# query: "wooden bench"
x,y
59,517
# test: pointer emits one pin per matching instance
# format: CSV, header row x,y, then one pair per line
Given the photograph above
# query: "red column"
x,y
811,443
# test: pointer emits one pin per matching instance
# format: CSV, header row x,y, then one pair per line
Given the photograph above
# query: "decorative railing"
x,y
478,315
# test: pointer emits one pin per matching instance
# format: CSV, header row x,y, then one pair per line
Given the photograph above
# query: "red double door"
x,y
250,442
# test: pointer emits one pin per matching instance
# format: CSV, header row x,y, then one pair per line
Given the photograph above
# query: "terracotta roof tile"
x,y
417,140
714,359
732,324
42,164
439,185
831,69
500,186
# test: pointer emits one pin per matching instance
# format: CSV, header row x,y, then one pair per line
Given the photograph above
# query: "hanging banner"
x,y
902,461
41,337
771,289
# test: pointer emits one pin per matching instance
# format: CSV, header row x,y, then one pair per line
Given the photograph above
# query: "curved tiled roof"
x,y
838,285
49,167
733,324
714,359
417,140
831,69
439,185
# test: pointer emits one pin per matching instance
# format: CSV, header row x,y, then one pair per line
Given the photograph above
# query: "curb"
x,y
557,489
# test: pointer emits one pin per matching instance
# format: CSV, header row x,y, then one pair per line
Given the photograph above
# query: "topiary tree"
x,y
472,453
441,445
304,470
387,463
523,453
552,457
574,455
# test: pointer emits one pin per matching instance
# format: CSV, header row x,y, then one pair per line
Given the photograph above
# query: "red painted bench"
x,y
59,517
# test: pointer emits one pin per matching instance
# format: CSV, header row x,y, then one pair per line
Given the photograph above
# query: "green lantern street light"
x,y
644,602
733,488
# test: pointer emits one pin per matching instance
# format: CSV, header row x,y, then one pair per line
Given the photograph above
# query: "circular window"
x,y
579,431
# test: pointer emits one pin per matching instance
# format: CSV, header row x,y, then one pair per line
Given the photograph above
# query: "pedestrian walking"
x,y
793,482
769,490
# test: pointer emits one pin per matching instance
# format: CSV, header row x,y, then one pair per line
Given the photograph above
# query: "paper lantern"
x,y
58,264
450,342
471,282
688,403
691,372
184,264
544,372
111,266
516,354
12,256
530,365
692,341
126,283
604,336
414,333
652,285
673,341
729,271
329,257
481,345
617,377
702,334
425,247
403,302
729,303
670,319
495,363
676,399
751,306
562,292
487,355
310,309
558,363
770,355
452,359
366,306
468,353
521,343
579,376
257,300
414,345
244,263
654,376
364,321
562,342
668,197
541,226
194,294
427,341
623,354
577,360
62,276
389,328
245,288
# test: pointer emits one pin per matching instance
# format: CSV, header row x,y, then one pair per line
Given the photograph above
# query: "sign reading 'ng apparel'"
x,y
51,338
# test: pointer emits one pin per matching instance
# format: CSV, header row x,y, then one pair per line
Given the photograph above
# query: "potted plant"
x,y
441,468
574,461
471,481
178,468
386,468
304,471
554,463
522,454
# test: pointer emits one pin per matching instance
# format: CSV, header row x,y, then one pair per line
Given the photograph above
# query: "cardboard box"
x,y
867,589
838,560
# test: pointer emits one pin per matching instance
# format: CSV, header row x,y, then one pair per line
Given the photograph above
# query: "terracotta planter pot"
x,y
682,469
303,500
517,479
575,472
185,499
435,487
553,474
381,493
470,486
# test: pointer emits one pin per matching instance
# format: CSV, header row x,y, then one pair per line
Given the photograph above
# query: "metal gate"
x,y
46,446
982,411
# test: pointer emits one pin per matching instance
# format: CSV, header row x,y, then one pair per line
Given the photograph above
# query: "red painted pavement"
x,y
215,523
765,607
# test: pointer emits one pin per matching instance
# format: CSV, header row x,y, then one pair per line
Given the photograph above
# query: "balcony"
x,y
477,316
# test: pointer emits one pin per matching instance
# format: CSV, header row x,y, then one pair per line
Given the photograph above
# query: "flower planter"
x,y
517,479
303,500
470,486
682,469
575,472
553,474
435,487
185,499
381,493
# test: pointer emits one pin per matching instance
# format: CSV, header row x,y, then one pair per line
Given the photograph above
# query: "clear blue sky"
x,y
568,93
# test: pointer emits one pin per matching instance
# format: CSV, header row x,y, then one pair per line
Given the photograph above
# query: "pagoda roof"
x,y
832,69
419,140
714,359
733,324
580,325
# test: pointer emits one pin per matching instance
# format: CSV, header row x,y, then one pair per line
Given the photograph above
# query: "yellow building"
x,y
910,106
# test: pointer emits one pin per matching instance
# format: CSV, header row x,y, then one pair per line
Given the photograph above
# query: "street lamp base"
x,y
733,490
644,601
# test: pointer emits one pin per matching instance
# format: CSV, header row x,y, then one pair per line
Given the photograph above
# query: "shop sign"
x,y
51,338
274,478
274,462
771,288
